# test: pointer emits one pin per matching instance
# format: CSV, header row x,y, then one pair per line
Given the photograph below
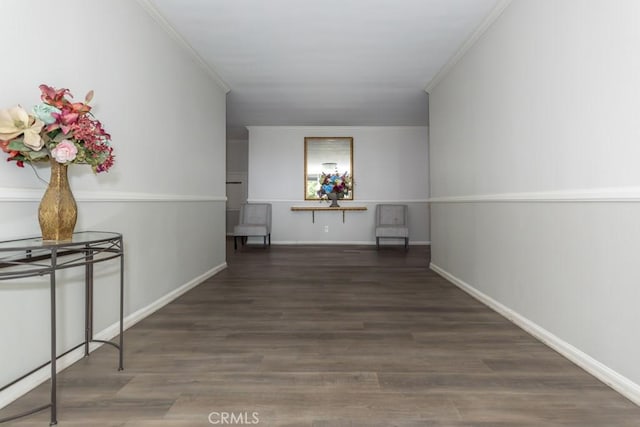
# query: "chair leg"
x,y
406,243
377,243
235,243
264,241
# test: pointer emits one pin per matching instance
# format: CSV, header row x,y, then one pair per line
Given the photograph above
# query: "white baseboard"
x,y
137,316
342,242
618,382
41,375
27,384
315,242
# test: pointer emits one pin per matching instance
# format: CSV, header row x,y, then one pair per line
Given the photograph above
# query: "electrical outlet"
x,y
326,228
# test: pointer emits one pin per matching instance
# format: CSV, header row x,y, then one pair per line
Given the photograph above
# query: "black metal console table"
x,y
34,257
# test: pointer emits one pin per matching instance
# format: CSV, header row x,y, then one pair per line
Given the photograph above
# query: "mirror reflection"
x,y
328,167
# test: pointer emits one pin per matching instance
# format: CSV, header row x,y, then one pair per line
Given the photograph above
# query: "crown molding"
x,y
149,7
495,13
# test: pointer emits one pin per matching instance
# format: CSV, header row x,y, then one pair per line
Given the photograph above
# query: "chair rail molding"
x,y
35,195
609,194
313,203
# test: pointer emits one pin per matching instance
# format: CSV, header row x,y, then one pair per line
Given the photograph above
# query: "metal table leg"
x,y
121,365
52,275
88,304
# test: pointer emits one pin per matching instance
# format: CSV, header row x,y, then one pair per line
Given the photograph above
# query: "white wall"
x,y
390,165
166,192
534,171
237,170
237,155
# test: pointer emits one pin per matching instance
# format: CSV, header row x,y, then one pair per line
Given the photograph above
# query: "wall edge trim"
x,y
332,129
594,195
613,379
35,195
153,11
342,243
32,381
493,15
345,202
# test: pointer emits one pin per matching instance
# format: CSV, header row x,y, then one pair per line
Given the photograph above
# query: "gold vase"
x,y
58,210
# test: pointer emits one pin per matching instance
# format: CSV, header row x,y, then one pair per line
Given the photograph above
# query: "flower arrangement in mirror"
x,y
340,185
56,129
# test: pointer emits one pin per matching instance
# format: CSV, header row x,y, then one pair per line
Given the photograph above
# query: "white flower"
x,y
15,122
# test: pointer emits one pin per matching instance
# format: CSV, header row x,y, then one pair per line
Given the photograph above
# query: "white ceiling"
x,y
325,62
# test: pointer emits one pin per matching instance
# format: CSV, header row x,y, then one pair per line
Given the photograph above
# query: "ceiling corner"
x,y
486,23
150,8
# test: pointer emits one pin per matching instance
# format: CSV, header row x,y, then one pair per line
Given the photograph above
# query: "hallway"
x,y
324,336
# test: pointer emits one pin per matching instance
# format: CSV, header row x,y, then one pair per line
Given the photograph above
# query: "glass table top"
x,y
78,239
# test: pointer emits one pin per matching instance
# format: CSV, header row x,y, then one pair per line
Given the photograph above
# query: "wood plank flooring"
x,y
325,336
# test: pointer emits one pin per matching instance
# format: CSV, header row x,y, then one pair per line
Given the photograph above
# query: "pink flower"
x,y
58,129
65,151
54,97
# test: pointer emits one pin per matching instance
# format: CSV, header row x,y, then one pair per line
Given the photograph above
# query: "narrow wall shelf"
x,y
314,209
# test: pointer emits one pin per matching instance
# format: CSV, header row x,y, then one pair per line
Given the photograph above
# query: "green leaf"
x,y
16,145
59,137
35,155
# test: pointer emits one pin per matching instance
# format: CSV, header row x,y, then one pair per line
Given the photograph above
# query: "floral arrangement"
x,y
334,183
56,129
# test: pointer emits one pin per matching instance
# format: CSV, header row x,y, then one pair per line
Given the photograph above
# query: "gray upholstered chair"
x,y
255,220
392,221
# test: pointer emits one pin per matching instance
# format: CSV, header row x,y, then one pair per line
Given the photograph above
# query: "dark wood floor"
x,y
330,336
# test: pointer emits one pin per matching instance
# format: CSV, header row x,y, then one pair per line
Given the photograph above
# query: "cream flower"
x,y
15,122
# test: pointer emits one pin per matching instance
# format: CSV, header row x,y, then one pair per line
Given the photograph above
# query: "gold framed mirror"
x,y
328,164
